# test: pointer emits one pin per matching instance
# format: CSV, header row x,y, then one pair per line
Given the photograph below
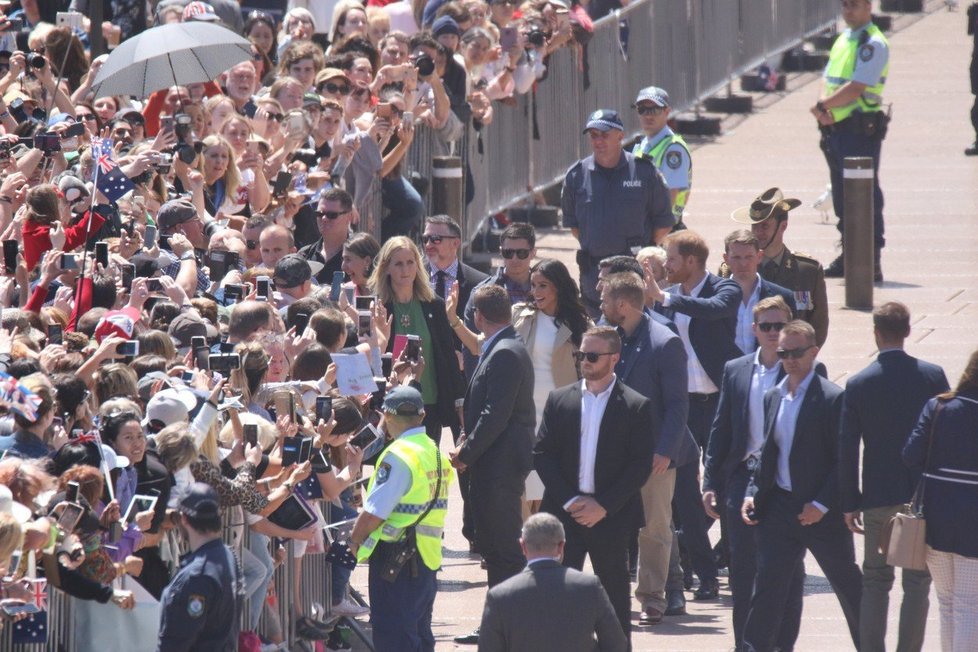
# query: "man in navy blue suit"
x,y
880,408
742,254
732,455
793,497
704,308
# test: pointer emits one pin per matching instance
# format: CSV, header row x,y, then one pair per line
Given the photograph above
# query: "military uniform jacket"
x,y
804,276
200,607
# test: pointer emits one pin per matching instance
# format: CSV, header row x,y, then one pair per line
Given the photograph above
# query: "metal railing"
x,y
692,48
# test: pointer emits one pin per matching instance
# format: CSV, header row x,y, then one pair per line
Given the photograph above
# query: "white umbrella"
x,y
170,55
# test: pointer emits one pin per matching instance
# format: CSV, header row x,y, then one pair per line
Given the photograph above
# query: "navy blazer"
x,y
950,492
730,433
500,417
813,459
880,407
713,323
656,369
623,461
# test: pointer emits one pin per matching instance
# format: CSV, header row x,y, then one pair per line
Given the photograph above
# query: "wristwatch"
x,y
187,255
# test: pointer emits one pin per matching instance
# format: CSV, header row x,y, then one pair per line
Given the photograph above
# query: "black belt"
x,y
696,396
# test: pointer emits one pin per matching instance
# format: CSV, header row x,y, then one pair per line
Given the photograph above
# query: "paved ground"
x,y
932,231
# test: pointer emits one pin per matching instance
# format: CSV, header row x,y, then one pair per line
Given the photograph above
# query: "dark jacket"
x,y
468,316
468,278
499,413
451,383
577,609
813,460
880,407
623,459
713,322
950,473
653,363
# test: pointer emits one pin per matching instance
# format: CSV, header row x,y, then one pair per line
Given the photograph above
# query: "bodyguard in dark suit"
x,y
653,363
704,308
497,446
880,408
793,497
549,606
594,452
742,255
732,455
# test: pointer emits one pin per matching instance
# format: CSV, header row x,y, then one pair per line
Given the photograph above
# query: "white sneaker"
x,y
348,607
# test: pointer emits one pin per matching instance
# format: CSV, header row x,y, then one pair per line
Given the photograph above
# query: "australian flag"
x,y
111,181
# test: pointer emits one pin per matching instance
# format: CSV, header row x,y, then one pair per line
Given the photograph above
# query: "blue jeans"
x,y
340,576
259,548
400,611
404,207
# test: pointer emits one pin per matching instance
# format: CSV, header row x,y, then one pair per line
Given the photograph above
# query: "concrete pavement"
x,y
929,264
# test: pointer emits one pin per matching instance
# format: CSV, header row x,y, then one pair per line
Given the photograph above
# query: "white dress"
x,y
543,335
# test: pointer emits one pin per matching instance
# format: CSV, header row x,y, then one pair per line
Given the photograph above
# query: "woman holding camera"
x,y
402,286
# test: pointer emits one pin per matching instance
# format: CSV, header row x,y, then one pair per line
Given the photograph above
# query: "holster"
x,y
393,555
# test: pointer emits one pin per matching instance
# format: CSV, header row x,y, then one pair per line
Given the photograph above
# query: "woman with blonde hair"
x,y
115,380
401,284
250,376
221,177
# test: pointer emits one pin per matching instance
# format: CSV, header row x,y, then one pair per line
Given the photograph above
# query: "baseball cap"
x,y
145,384
117,322
311,99
200,11
170,406
330,73
604,120
653,94
292,270
175,211
404,401
200,502
445,25
185,326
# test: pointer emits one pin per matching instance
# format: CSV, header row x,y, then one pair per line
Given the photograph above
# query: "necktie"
x,y
440,283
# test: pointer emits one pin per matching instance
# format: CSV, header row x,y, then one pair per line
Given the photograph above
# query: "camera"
x,y
187,153
163,163
425,65
536,37
182,125
35,60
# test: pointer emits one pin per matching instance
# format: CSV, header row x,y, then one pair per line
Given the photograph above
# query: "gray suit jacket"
x,y
550,607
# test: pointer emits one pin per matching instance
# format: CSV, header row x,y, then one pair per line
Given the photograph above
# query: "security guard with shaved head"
x,y
400,527
850,111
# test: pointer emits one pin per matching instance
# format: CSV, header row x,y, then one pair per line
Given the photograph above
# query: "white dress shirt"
x,y
698,380
592,411
745,319
762,380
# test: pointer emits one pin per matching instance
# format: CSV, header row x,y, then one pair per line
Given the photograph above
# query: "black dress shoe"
x,y
836,268
972,151
468,639
707,591
675,603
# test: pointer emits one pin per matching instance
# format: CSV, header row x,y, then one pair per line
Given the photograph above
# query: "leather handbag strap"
x,y
917,502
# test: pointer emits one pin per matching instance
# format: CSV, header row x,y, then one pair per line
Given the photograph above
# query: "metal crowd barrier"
x,y
692,49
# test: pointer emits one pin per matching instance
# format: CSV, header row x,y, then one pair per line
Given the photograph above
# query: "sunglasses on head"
x,y
767,327
793,354
522,254
335,89
436,239
332,215
590,356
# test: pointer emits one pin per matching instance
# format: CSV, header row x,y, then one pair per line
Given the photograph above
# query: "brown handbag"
x,y
903,540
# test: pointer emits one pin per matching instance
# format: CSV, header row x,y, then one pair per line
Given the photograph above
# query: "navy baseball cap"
x,y
653,94
404,401
200,502
604,120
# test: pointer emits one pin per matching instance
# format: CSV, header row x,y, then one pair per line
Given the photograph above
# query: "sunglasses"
x,y
650,110
522,254
85,116
775,326
436,239
335,89
332,215
793,354
277,117
251,244
590,356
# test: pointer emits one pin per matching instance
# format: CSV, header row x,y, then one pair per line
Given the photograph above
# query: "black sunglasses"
x,y
85,116
767,327
436,239
794,354
522,254
336,89
332,215
277,117
590,356
649,110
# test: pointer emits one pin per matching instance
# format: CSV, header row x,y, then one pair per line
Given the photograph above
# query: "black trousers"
x,y
743,568
607,545
498,520
468,525
781,543
432,423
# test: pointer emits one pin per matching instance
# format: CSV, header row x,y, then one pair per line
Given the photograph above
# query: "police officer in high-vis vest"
x,y
407,496
665,148
850,110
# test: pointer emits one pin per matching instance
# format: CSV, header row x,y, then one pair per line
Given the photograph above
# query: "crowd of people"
x,y
202,345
